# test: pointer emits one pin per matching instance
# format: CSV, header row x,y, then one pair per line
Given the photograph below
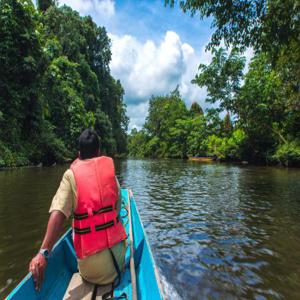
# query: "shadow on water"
x,y
217,231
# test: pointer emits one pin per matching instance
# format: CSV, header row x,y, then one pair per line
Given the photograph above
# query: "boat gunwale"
x,y
29,274
155,269
65,236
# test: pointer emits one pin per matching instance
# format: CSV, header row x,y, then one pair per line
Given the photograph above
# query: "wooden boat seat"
x,y
80,289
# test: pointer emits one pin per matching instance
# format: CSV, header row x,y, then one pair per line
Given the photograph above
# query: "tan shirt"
x,y
97,268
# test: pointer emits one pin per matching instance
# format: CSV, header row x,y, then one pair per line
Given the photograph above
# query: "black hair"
x,y
88,143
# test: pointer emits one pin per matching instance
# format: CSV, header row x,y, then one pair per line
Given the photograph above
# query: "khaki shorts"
x,y
99,268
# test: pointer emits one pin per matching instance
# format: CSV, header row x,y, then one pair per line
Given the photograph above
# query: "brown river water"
x,y
217,231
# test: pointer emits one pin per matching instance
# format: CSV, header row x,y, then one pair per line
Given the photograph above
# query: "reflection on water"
x,y
217,231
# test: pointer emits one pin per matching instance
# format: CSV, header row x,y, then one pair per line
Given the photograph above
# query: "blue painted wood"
x,y
147,283
63,263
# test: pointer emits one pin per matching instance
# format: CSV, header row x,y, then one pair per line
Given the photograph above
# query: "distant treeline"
x,y
54,82
262,107
172,130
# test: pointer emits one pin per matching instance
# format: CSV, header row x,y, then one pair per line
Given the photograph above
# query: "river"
x,y
217,231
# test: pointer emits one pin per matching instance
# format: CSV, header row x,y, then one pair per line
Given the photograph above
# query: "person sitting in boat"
x,y
89,191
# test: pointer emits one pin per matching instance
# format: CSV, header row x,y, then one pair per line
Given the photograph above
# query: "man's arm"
x,y
61,209
39,262
54,229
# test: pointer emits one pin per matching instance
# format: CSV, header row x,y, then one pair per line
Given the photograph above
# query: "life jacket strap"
x,y
95,212
104,226
116,283
97,228
82,230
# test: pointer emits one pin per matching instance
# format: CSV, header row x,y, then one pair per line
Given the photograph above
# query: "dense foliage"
x,y
264,103
173,131
264,127
55,82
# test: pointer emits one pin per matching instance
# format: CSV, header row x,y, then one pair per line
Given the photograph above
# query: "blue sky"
x,y
154,49
151,19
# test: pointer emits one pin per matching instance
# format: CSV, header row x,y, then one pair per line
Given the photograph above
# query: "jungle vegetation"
x,y
54,82
261,107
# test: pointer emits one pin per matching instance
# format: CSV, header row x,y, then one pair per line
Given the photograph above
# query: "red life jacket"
x,y
95,225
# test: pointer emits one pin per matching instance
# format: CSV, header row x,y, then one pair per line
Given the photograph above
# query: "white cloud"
x,y
137,113
83,6
104,9
147,68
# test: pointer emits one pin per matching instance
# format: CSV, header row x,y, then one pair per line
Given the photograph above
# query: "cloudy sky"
x,y
154,49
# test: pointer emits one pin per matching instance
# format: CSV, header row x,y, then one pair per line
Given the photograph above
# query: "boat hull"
x,y
62,264
202,159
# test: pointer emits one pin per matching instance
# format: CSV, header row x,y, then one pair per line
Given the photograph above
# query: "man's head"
x,y
88,144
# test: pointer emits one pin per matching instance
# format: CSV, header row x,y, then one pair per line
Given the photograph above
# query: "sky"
x,y
154,49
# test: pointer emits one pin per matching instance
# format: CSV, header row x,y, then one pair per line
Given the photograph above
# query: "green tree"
x,y
137,141
261,108
197,137
227,148
103,127
227,125
63,96
196,110
248,23
163,113
114,106
54,82
164,132
270,27
88,45
222,78
288,154
43,5
189,137
21,64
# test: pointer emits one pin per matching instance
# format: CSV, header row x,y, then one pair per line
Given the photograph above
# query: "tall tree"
x,y
268,26
54,82
248,23
163,113
196,109
222,78
88,45
21,64
261,108
227,125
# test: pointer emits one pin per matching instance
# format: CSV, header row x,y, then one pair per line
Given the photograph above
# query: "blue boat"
x,y
139,281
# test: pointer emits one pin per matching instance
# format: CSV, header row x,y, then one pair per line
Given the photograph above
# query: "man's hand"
x,y
37,267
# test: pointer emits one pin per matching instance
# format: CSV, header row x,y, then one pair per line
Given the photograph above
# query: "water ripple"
x,y
217,231
220,231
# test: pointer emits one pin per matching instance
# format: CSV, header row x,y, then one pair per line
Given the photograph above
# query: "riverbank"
x,y
28,164
192,159
174,130
223,161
